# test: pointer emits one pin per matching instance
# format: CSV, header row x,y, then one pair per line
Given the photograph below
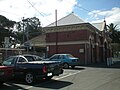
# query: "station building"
x,y
88,41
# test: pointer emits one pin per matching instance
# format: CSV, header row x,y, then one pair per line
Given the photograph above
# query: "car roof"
x,y
61,54
16,56
21,55
26,55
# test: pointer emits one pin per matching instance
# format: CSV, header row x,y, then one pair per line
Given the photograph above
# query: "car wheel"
x,y
29,78
65,65
73,67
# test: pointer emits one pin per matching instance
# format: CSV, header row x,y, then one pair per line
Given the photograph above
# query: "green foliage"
x,y
26,29
29,28
115,36
6,27
114,33
112,27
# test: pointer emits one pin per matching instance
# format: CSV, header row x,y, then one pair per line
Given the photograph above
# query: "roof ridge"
x,y
96,22
61,18
65,16
73,19
99,25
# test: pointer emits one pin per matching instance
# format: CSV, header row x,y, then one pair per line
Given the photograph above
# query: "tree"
x,y
115,36
28,28
114,33
6,29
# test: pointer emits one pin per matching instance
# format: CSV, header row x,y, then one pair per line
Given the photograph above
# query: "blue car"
x,y
66,59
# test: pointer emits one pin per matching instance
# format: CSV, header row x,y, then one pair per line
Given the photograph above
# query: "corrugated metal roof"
x,y
67,20
38,41
74,19
100,26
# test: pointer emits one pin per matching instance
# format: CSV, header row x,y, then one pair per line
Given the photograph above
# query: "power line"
x,y
44,16
87,9
37,10
83,8
79,6
20,15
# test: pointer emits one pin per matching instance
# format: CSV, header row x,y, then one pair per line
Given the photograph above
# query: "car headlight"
x,y
74,60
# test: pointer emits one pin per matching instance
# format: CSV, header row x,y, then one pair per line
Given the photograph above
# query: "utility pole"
x,y
27,37
27,33
56,31
23,30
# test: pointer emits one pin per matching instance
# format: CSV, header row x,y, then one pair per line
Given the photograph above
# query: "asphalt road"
x,y
93,77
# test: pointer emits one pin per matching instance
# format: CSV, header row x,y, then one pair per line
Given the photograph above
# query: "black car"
x,y
6,74
30,67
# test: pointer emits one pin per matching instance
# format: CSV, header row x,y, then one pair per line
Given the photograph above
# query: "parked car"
x,y
6,74
31,57
66,59
30,68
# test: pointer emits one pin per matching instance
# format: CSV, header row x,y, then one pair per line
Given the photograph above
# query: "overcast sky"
x,y
88,10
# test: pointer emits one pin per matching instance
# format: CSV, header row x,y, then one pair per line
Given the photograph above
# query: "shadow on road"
x,y
77,68
8,86
104,65
54,84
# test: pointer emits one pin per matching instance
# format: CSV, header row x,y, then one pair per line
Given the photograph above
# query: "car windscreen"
x,y
29,58
54,57
70,56
9,61
37,58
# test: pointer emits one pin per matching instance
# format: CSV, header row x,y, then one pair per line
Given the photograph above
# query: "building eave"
x,y
73,27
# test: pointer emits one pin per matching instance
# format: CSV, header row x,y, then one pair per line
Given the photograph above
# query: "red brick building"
x,y
86,41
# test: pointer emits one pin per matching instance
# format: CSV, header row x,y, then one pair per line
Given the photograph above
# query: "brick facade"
x,y
81,40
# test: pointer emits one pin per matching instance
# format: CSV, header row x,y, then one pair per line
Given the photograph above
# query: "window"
x,y
30,58
70,56
61,57
38,58
9,61
55,57
21,59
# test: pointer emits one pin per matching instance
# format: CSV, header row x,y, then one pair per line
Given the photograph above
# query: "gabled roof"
x,y
67,20
38,41
100,26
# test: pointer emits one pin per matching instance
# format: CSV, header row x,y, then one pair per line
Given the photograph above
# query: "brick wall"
x,y
68,36
73,40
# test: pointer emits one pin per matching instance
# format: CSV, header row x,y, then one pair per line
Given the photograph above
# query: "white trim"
x,y
11,49
41,44
69,43
66,28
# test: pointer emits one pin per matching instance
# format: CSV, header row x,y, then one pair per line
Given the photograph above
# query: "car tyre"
x,y
65,65
29,78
